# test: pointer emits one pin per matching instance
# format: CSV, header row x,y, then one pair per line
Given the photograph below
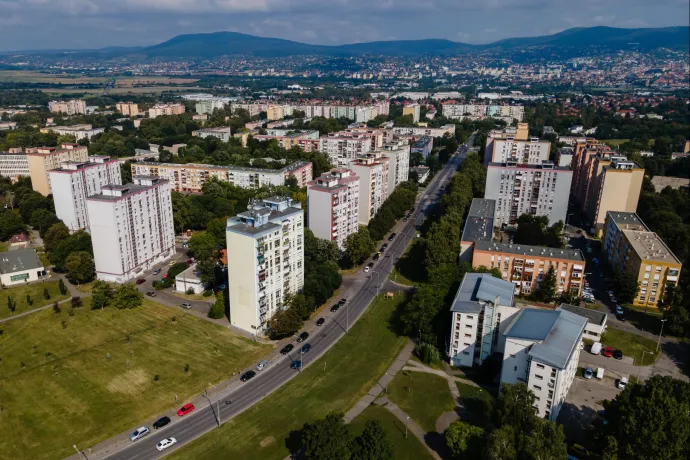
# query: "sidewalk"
x,y
410,424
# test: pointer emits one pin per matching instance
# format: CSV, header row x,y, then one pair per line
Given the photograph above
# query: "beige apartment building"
x,y
166,109
127,109
412,109
525,265
373,171
43,159
630,247
73,107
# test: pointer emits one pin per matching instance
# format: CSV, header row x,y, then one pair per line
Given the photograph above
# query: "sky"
x,y
88,24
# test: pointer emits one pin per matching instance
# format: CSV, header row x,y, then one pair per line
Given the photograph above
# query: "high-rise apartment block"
x,y
507,113
131,227
74,181
532,151
603,181
540,190
373,172
398,154
423,146
542,349
482,310
73,107
343,147
445,130
14,164
412,109
43,159
209,106
333,203
266,260
166,109
525,266
191,177
630,247
127,109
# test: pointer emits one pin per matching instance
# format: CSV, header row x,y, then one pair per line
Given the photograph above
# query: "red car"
x,y
608,352
186,409
141,281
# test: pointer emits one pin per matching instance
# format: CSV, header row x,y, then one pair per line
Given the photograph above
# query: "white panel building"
x,y
398,154
265,260
75,181
14,164
373,175
532,151
333,203
344,147
542,348
482,310
131,227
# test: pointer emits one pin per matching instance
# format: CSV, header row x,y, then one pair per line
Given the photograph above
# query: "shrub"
x,y
428,353
208,293
56,308
190,291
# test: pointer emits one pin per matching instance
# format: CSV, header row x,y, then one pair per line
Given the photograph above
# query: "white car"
x,y
622,383
164,444
139,433
366,269
263,364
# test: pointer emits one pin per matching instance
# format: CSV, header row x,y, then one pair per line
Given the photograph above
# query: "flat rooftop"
x,y
481,287
290,167
530,251
19,260
649,246
593,316
628,221
479,225
545,166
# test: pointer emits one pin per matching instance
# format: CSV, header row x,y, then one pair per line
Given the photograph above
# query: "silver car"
x,y
263,364
139,433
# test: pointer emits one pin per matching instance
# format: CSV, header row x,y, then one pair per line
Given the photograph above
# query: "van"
x,y
600,373
596,348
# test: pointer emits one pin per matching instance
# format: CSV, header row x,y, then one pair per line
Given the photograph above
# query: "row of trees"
x,y
124,296
401,200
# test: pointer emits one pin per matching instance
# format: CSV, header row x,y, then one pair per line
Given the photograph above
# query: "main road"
x,y
223,406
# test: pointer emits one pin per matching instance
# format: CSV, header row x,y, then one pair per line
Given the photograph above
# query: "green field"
x,y
352,366
424,397
630,344
403,448
35,291
82,378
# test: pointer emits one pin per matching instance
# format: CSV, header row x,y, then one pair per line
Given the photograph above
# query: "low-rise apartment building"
x,y
445,130
131,228
333,204
479,226
481,312
14,164
43,159
78,131
191,177
596,320
542,349
507,113
630,247
221,133
343,147
73,107
373,172
540,190
128,109
266,261
525,266
308,140
423,146
166,109
74,181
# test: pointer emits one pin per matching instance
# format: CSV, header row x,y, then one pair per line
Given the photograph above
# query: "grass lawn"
x,y
35,290
4,245
83,378
630,344
410,268
423,396
354,364
403,448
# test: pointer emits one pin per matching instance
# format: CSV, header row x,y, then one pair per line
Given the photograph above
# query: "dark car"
x,y
377,256
335,308
384,247
320,321
392,237
141,281
342,302
151,294
618,354
296,364
303,336
305,348
157,271
620,317
161,422
247,376
287,349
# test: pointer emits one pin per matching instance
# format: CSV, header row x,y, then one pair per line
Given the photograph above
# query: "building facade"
x,y
413,110
398,154
208,106
540,190
542,349
73,107
127,109
131,228
43,159
166,109
265,261
78,131
481,312
221,133
445,130
630,247
525,266
507,113
14,164
532,151
343,147
333,204
74,181
423,146
373,172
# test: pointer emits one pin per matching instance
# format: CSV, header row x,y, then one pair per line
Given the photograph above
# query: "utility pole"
x,y
408,418
218,411
658,342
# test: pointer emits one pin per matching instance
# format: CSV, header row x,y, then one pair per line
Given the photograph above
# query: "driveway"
x,y
581,407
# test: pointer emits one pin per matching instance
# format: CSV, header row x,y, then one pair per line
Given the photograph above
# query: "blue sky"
x,y
74,24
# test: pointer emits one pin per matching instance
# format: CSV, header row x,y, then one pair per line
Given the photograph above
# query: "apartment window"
x,y
468,326
468,335
466,353
538,377
515,369
470,317
658,269
536,387
540,366
648,268
467,344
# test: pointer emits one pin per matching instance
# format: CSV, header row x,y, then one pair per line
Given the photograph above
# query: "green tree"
x,y
42,220
464,440
373,443
46,294
62,287
626,287
546,289
515,407
56,233
80,267
328,438
11,305
203,246
101,294
127,296
78,241
10,224
217,310
358,247
501,445
547,440
285,323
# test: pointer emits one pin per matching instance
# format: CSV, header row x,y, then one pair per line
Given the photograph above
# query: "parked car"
x,y
186,409
139,433
165,443
141,281
600,373
589,372
589,300
367,268
377,256
335,308
619,310
190,261
342,302
596,348
608,352
172,262
296,364
157,271
620,318
186,306
618,354
384,247
222,287
263,364
161,422
622,383
304,335
305,348
151,293
287,349
247,376
392,237
320,321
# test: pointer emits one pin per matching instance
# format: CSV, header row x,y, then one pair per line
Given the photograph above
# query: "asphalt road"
x,y
359,296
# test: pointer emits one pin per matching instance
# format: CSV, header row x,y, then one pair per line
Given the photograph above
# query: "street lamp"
x,y
406,420
79,451
658,342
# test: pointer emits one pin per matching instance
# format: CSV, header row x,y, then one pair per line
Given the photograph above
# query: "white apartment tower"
x,y
266,254
73,107
74,181
532,151
398,154
333,203
131,227
343,147
542,348
373,175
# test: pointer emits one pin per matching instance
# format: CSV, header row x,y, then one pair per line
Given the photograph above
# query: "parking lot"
x,y
582,404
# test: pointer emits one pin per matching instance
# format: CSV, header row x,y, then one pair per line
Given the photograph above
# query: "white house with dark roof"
x,y
542,348
20,266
